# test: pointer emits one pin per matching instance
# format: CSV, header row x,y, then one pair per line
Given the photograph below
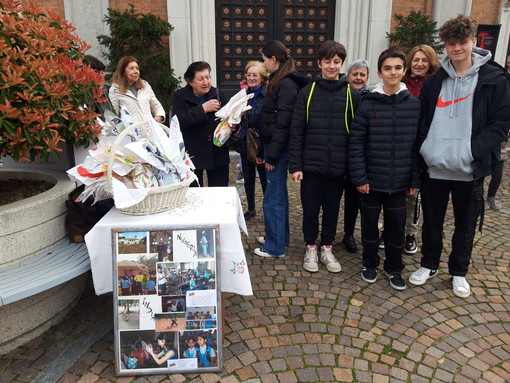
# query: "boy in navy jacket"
x,y
383,164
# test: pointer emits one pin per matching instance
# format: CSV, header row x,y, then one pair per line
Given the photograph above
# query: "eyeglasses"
x,y
254,75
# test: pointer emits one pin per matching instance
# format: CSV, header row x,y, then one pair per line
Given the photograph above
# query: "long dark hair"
x,y
287,64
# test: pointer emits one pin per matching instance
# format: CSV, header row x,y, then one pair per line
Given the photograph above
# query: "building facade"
x,y
227,33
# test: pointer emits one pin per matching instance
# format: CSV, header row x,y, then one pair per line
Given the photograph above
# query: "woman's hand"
x,y
212,105
412,191
259,161
149,349
297,176
363,189
159,119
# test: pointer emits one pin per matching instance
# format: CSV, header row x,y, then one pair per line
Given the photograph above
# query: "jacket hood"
x,y
479,57
299,79
379,88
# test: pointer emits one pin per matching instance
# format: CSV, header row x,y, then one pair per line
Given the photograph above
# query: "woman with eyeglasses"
x,y
256,80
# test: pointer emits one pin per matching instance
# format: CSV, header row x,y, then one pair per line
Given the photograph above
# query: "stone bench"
x,y
43,271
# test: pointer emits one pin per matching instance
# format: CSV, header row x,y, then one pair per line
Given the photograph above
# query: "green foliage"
x,y
140,35
415,29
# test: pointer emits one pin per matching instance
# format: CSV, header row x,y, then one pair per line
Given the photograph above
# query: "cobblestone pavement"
x,y
302,327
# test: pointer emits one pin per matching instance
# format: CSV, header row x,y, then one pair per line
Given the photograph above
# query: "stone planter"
x,y
29,227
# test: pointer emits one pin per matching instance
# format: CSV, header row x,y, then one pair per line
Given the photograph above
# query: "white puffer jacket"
x,y
142,107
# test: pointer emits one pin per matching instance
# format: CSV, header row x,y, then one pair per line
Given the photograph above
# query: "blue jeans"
x,y
276,207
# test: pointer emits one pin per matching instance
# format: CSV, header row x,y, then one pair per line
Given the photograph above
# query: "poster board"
x,y
167,300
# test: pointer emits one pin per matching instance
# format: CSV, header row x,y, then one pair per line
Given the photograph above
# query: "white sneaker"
x,y
261,240
329,260
420,276
311,261
460,287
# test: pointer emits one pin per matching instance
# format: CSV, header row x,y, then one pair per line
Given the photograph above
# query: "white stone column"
x,y
194,34
504,33
444,10
88,18
361,26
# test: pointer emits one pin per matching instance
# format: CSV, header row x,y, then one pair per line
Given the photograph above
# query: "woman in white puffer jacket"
x,y
136,94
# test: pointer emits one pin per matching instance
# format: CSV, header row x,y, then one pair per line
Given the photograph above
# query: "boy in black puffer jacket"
x,y
318,151
383,163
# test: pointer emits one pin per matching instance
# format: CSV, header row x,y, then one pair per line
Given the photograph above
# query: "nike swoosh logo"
x,y
444,104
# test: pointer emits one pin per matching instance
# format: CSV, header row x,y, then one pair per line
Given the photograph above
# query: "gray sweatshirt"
x,y
447,148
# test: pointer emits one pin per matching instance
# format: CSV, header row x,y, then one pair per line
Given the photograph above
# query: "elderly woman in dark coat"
x,y
195,105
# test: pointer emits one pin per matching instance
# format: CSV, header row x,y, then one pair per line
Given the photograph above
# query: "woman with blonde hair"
x,y
256,79
422,61
136,94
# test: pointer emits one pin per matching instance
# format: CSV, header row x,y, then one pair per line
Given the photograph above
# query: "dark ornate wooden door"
x,y
245,26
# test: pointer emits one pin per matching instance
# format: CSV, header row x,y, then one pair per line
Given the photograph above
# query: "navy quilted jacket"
x,y
382,143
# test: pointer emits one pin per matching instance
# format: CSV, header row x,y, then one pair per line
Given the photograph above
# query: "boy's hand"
x,y
297,176
412,191
269,167
363,189
260,161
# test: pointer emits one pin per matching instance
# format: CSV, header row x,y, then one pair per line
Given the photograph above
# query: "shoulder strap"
x,y
218,94
348,104
309,99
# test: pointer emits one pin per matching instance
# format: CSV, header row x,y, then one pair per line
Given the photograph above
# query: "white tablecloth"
x,y
203,206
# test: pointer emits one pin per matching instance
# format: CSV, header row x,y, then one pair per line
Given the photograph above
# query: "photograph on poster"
x,y
174,277
170,322
147,349
129,313
136,274
132,242
161,243
192,245
173,304
166,301
200,317
200,345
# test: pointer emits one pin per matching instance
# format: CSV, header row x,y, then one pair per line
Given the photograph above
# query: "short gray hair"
x,y
356,65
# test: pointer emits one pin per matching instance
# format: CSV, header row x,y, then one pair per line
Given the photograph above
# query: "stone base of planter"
x,y
24,320
27,228
36,223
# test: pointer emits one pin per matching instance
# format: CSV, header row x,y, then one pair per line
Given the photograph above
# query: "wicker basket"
x,y
160,198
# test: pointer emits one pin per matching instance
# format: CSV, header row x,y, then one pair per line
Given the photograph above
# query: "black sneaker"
x,y
369,275
381,240
350,243
396,281
410,245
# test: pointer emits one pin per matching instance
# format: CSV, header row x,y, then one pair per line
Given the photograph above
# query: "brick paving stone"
x,y
343,374
312,360
68,378
306,375
88,378
27,375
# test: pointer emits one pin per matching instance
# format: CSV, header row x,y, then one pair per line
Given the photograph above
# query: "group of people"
x,y
143,283
427,127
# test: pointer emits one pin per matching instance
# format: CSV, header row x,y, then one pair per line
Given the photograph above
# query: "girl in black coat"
x,y
276,114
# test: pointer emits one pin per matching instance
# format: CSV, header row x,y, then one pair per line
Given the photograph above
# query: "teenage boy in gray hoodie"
x,y
465,114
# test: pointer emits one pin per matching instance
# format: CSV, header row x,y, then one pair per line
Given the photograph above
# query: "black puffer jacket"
x,y
382,143
197,129
277,114
319,145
